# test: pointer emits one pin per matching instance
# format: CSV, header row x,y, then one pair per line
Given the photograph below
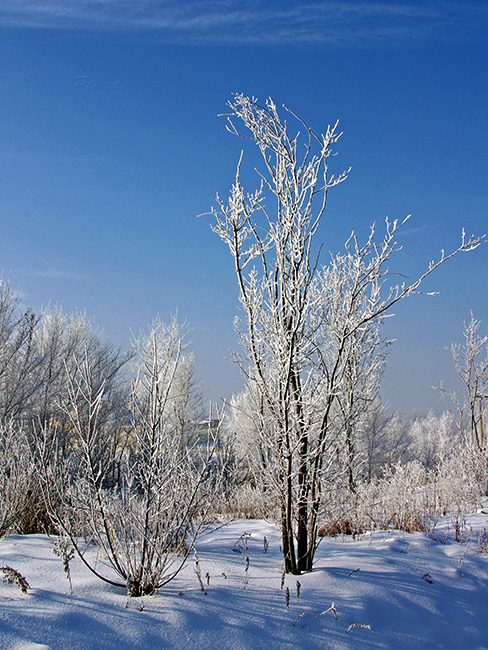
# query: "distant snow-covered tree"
x,y
18,363
16,475
471,362
433,438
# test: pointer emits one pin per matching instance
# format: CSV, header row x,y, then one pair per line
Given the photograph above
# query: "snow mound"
x,y
388,590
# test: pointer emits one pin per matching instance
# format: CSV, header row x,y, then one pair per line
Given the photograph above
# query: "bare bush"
x,y
146,524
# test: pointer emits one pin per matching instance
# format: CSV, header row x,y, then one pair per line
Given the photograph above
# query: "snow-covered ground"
x,y
408,591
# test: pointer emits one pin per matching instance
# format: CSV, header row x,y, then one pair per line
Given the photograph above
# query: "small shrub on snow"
x,y
483,542
332,609
360,626
64,549
13,577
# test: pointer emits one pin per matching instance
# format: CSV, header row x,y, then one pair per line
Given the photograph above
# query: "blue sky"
x,y
111,144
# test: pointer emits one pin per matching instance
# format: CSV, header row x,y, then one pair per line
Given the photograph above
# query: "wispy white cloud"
x,y
33,265
415,230
259,21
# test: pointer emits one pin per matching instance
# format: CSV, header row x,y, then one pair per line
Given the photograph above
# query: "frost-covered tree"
x,y
362,354
433,438
61,342
37,353
181,408
471,362
374,442
248,423
303,322
18,362
15,474
146,524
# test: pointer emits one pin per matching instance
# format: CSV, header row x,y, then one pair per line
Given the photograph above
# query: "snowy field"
x,y
407,591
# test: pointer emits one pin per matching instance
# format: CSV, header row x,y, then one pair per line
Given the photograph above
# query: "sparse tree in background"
x,y
361,354
15,474
249,421
374,441
18,362
36,352
471,362
62,344
433,438
397,442
303,324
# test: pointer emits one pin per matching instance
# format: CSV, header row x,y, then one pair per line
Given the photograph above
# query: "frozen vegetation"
x,y
302,514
